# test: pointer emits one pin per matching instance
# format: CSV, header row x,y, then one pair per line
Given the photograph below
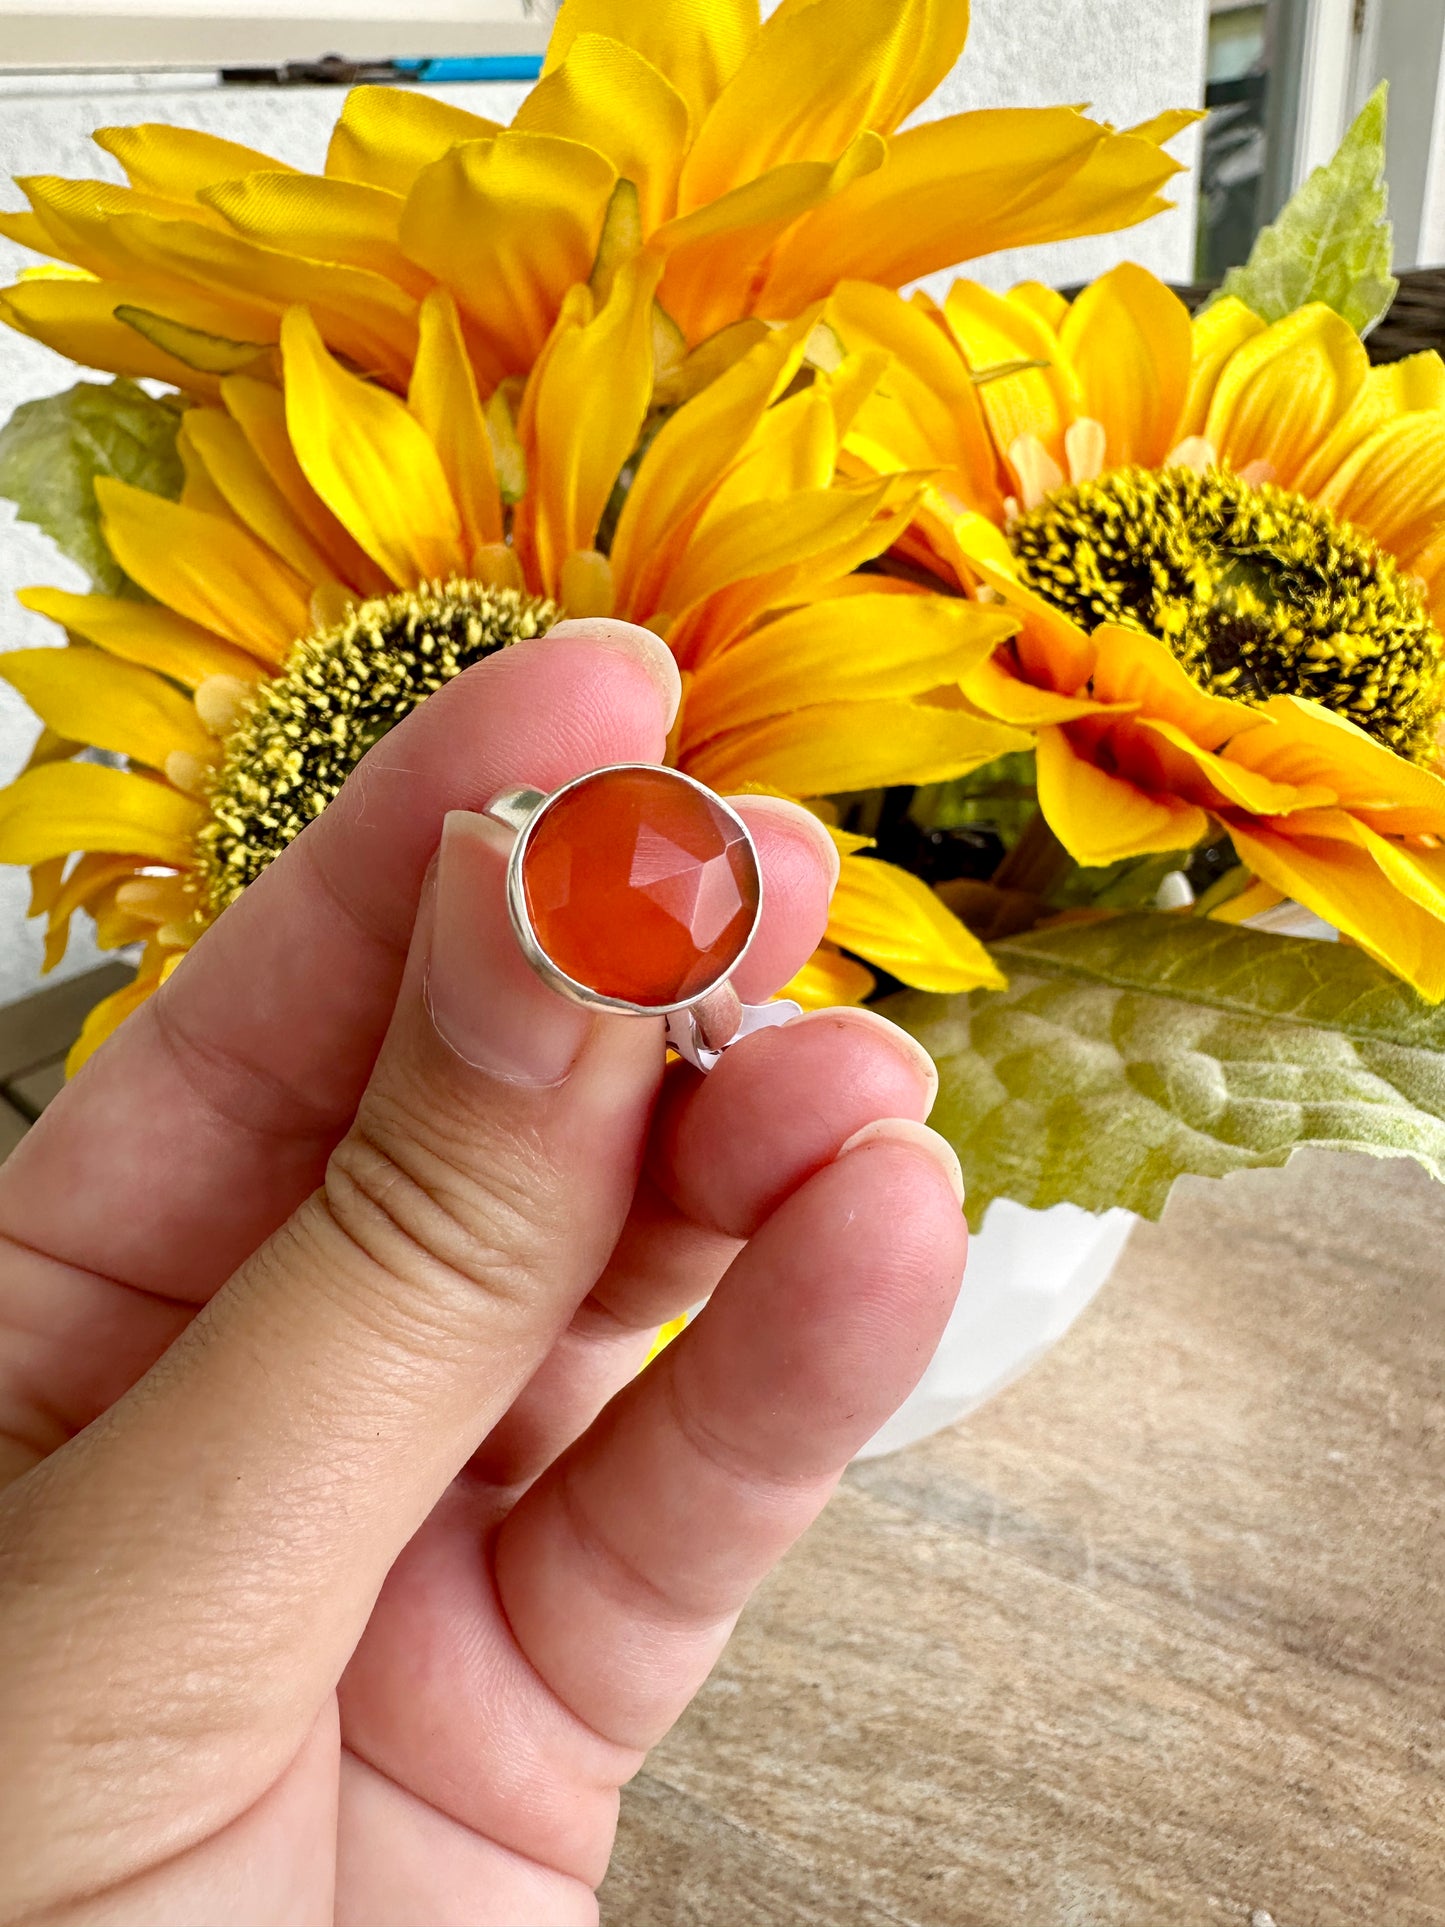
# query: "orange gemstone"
x,y
640,886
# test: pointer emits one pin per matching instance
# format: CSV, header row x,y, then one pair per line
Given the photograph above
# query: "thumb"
x,y
299,1431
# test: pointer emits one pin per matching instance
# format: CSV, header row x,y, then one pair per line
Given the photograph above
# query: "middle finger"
x,y
726,1150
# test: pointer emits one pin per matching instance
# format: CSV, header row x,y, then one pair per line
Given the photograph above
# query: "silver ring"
x,y
703,1012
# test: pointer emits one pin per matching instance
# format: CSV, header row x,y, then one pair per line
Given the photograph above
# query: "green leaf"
x,y
1002,795
1130,1051
1332,242
51,452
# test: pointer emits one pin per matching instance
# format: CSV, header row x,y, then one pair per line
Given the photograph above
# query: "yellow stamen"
x,y
1084,445
221,702
1037,471
586,584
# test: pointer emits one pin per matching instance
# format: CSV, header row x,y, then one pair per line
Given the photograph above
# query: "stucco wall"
x,y
1128,58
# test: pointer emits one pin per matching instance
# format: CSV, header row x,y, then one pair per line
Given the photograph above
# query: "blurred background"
x,y
1282,78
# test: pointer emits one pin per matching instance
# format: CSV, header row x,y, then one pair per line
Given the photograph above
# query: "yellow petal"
x,y
895,921
674,1328
993,332
84,806
816,544
443,398
1310,745
1219,331
46,881
387,135
927,414
963,186
852,648
915,46
713,252
108,1015
762,537
327,220
1416,382
1164,126
145,633
812,81
611,98
995,686
98,699
594,369
1233,783
697,44
696,445
794,447
829,978
1393,486
1345,884
93,873
28,230
178,162
1098,817
206,569
369,460
113,926
1279,395
78,320
1129,340
935,34
364,316
585,585
199,490
260,409
82,218
89,878
249,492
1052,651
1051,307
827,747
1139,670
1251,900
509,225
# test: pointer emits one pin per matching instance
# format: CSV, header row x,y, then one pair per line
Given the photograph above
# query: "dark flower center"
x,y
1257,591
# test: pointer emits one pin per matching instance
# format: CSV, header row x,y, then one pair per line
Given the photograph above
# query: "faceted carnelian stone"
x,y
640,887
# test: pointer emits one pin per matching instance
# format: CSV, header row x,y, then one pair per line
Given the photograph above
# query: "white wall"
x,y
1128,58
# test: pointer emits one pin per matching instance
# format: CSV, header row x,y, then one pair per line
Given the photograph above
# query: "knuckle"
x,y
436,1203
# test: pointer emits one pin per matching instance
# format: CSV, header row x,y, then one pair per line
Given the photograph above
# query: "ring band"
x,y
635,889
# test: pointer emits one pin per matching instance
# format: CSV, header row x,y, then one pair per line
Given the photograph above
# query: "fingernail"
x,y
793,817
902,1130
488,1005
907,1048
646,649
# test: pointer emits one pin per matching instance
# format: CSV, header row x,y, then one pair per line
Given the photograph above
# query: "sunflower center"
x,y
1257,591
340,691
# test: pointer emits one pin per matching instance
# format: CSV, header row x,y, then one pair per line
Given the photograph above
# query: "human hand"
x,y
348,1568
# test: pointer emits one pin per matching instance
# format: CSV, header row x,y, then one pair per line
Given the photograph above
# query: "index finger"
x,y
210,1115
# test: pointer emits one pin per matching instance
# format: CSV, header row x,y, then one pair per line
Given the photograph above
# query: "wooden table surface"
x,y
1155,1639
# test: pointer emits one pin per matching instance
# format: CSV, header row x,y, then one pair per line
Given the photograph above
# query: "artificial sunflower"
x,y
760,163
1256,518
338,552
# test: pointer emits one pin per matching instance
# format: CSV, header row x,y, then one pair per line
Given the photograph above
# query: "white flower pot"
x,y
1030,1274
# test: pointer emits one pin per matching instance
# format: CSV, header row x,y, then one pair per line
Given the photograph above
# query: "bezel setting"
x,y
526,810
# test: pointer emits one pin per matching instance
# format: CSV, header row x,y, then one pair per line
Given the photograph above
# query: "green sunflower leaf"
x,y
52,450
1333,242
1130,1051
